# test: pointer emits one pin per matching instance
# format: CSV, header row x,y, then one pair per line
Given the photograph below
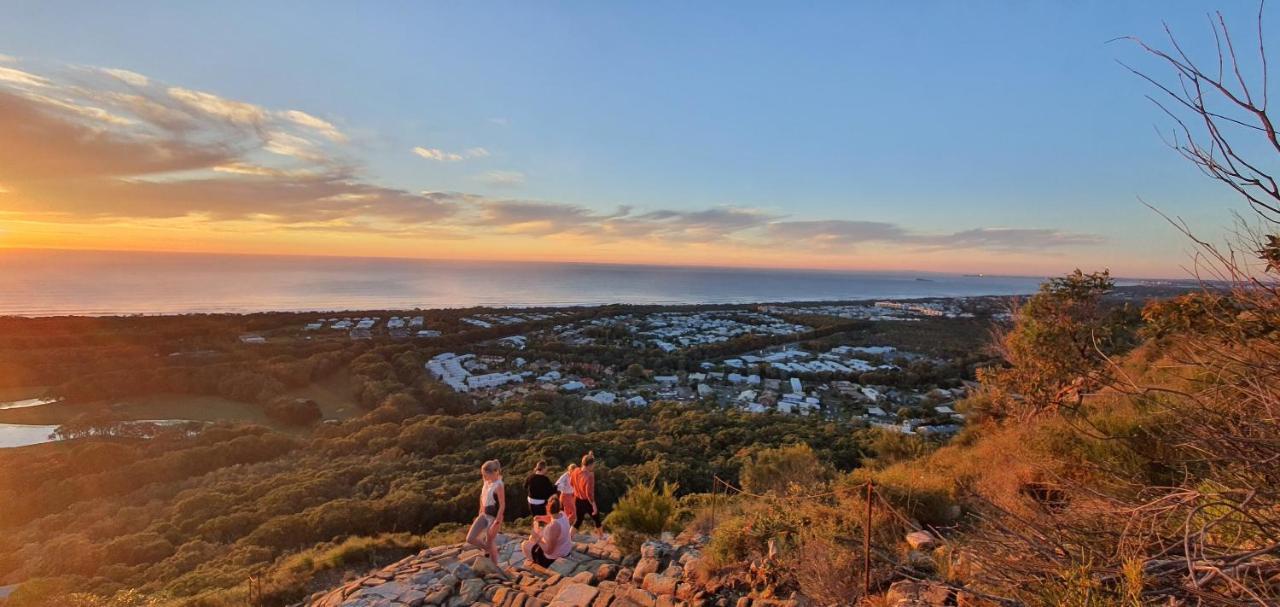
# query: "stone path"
x,y
592,576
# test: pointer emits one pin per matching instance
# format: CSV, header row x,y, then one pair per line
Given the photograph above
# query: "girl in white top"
x,y
493,505
565,486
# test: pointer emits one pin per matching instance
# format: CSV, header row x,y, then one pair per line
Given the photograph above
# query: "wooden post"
x,y
715,487
866,548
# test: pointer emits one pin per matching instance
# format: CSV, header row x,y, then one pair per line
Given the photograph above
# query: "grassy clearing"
x,y
160,406
332,394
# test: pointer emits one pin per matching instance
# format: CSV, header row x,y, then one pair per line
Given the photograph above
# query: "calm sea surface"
x,y
40,283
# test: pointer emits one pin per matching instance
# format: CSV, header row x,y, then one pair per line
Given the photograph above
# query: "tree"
x,y
1059,345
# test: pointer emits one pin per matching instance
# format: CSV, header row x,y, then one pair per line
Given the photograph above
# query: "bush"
x,y
642,512
777,470
294,411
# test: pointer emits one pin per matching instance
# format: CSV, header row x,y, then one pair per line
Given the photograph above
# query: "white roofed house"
x,y
669,380
796,386
637,401
573,386
492,380
603,398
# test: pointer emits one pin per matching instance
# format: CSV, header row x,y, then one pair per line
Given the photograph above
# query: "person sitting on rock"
x,y
564,485
493,505
584,489
539,489
550,541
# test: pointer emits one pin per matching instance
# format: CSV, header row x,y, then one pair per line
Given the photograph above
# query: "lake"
x,y
44,282
21,435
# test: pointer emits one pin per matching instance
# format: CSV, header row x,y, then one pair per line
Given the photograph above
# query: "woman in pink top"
x,y
551,541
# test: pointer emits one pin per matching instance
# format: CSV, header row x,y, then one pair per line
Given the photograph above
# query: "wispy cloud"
x,y
111,144
440,155
127,76
319,125
19,77
503,179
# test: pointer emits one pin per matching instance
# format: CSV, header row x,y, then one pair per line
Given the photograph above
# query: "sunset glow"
x,y
108,154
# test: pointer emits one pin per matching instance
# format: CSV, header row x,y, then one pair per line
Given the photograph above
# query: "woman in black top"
x,y
539,488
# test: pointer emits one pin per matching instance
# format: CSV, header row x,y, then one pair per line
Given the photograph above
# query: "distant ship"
x,y
975,275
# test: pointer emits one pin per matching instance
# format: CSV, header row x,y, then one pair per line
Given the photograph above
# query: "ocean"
x,y
51,283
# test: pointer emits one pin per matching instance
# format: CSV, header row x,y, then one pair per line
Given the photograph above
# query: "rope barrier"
x,y
872,496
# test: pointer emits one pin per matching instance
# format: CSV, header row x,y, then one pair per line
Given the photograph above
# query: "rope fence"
x,y
872,497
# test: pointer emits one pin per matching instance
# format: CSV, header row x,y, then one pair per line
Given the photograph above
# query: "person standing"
x,y
551,541
539,489
584,488
564,485
493,506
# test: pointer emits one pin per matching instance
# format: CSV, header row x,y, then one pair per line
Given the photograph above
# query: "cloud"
x,y
109,145
503,179
844,234
320,126
90,151
19,77
439,155
234,111
127,76
1010,239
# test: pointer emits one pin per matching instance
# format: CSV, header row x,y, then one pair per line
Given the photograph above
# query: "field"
x,y
330,393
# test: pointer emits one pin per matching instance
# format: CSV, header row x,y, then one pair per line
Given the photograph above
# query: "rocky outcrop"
x,y
594,575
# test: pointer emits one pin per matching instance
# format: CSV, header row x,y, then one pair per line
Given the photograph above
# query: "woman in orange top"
x,y
584,492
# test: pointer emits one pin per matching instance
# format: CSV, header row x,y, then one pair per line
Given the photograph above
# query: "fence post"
x,y
866,548
715,487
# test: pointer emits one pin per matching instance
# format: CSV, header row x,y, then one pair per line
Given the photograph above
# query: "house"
x,y
637,401
666,380
603,398
492,380
252,338
796,385
573,386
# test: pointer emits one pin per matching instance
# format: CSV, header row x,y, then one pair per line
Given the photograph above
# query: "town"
x,y
785,359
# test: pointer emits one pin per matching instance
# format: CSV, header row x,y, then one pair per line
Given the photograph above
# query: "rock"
x,y
646,566
462,571
921,540
565,566
607,571
744,601
484,567
654,550
604,599
630,560
471,590
438,595
412,597
576,595
641,597
584,577
674,571
666,600
660,584
917,593
624,575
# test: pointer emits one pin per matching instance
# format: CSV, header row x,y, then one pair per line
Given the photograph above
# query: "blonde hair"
x,y
492,466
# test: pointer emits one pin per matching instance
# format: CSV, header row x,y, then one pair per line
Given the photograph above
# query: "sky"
x,y
997,137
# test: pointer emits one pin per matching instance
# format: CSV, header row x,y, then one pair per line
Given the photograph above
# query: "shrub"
x,y
643,511
777,470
